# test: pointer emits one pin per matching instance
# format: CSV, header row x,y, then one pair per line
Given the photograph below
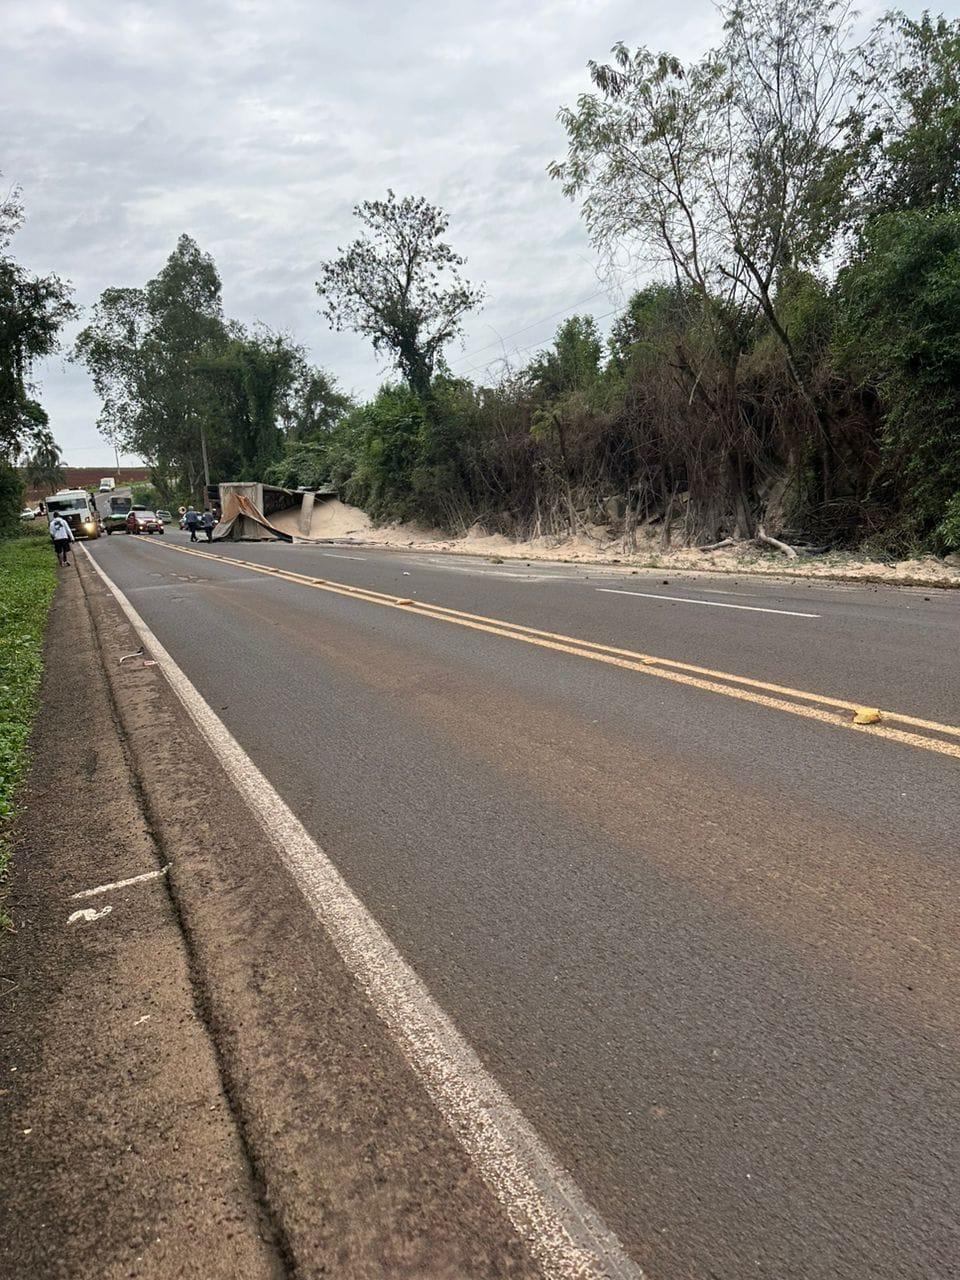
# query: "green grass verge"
x,y
28,575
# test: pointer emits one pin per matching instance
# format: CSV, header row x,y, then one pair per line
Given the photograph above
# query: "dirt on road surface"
x,y
598,545
192,1084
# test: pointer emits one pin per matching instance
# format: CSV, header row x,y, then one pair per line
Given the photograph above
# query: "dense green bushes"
x,y
900,308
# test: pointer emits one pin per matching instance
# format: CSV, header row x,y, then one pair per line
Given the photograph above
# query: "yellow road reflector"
x,y
403,602
867,715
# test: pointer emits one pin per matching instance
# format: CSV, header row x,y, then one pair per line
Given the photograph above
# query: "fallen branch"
x,y
715,546
788,551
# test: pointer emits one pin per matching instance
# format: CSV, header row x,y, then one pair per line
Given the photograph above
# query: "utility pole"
x,y
206,463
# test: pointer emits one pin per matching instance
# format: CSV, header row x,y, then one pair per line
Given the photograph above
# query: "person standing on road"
x,y
62,536
208,520
192,521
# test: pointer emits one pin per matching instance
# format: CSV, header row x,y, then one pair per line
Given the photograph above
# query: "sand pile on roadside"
x,y
331,519
599,548
335,519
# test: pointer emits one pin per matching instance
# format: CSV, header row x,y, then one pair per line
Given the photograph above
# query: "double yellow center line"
x,y
926,735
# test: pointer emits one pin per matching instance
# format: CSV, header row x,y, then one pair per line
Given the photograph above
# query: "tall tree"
x,y
572,363
399,285
733,172
251,385
43,466
146,350
316,405
33,309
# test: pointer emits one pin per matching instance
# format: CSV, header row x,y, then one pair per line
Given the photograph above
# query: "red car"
x,y
142,521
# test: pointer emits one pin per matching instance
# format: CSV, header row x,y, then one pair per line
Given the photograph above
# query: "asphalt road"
x,y
707,944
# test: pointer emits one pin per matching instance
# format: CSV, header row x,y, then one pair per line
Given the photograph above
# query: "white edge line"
x,y
565,1234
121,884
714,604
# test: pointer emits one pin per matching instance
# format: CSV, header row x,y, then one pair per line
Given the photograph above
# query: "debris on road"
x,y
867,715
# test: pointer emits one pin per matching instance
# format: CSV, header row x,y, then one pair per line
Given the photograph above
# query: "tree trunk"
x,y
743,516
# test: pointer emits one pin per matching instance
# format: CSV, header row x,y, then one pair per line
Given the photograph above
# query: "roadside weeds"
x,y
28,576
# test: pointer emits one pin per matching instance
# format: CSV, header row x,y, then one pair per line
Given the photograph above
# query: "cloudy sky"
x,y
256,125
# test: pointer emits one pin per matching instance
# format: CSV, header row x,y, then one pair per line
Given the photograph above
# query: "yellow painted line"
x,y
647,659
758,692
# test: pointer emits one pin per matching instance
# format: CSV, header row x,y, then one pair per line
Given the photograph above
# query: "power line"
x,y
516,333
518,351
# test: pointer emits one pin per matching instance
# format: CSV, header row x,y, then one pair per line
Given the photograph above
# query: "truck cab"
x,y
77,508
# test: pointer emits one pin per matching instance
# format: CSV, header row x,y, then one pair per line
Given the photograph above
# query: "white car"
x,y
28,513
107,484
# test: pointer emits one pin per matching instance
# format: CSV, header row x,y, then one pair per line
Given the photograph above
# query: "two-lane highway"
x,y
699,927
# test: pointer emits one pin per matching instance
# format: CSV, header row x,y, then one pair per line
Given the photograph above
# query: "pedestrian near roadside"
x,y
62,536
192,521
208,520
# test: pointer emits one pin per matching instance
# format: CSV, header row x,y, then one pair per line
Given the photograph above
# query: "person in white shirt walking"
x,y
62,536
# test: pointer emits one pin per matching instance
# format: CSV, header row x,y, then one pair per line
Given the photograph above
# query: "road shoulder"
x,y
122,1155
360,1173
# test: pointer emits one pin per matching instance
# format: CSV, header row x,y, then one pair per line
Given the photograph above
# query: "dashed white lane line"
x,y
121,884
522,574
564,1233
713,604
332,555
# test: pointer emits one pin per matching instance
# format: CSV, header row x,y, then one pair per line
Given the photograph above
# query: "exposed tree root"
x,y
764,537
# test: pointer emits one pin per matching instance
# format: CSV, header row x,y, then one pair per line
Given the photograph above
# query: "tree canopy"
x,y
192,392
145,349
399,285
33,309
915,121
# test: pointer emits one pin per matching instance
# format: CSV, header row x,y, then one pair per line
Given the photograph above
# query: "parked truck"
x,y
78,509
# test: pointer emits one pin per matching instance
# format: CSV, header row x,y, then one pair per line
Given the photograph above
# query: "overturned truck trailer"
x,y
246,508
252,512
